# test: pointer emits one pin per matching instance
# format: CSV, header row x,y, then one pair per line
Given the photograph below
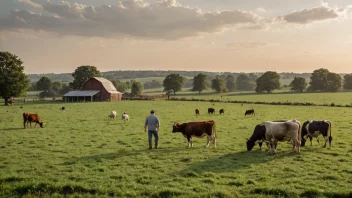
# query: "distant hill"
x,y
121,75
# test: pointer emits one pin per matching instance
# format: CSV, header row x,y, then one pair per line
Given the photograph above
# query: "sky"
x,y
52,36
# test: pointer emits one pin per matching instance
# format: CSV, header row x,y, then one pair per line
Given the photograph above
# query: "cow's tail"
x,y
330,137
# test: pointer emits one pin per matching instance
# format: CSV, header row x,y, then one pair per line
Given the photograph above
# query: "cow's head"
x,y
41,124
303,142
175,127
258,134
250,144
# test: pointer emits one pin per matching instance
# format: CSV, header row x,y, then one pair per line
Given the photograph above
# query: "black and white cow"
x,y
273,132
313,128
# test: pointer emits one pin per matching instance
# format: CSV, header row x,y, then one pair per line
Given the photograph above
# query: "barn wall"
x,y
116,97
93,84
103,95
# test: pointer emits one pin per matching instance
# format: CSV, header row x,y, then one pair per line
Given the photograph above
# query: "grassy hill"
x,y
81,156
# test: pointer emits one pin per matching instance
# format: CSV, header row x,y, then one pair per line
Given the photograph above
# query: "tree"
x,y
244,83
56,86
13,81
137,88
230,83
120,86
298,84
200,82
334,82
318,80
269,81
219,85
347,81
44,83
65,89
82,74
173,82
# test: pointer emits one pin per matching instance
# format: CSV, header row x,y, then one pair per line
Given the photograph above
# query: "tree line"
x,y
14,82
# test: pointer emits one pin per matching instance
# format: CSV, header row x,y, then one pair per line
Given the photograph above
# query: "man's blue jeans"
x,y
156,137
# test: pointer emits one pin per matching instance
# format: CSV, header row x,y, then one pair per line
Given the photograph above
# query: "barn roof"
x,y
82,93
109,87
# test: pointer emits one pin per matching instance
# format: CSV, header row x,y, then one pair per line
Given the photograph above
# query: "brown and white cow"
x,y
29,118
197,129
274,132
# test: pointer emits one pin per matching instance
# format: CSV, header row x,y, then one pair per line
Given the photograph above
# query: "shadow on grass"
x,y
235,161
122,153
12,129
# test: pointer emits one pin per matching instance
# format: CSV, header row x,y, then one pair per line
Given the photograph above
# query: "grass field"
x,y
81,153
340,98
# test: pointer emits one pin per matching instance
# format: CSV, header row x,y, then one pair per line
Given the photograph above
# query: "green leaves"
x,y
13,80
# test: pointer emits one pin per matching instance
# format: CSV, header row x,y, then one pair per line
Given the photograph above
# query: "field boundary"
x,y
262,103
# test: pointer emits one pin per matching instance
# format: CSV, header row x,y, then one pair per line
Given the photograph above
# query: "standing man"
x,y
153,123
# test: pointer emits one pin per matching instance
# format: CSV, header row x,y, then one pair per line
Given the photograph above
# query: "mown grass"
x,y
81,153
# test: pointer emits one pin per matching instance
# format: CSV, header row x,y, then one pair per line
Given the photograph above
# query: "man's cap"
x,y
152,111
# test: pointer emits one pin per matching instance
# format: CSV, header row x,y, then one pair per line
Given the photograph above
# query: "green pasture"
x,y
81,153
339,98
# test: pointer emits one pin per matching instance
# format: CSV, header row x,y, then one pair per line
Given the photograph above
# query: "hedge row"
x,y
264,103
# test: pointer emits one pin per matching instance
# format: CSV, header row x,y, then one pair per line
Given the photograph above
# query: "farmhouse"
x,y
95,89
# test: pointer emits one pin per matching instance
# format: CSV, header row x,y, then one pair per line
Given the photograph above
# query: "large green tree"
x,y
120,86
347,81
173,82
245,83
219,85
56,86
319,80
269,81
137,88
298,84
230,83
334,82
82,74
200,82
44,83
13,80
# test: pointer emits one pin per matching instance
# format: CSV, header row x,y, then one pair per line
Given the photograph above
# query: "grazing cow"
x,y
313,128
62,108
211,111
112,115
197,112
273,132
29,118
197,129
249,112
222,111
125,117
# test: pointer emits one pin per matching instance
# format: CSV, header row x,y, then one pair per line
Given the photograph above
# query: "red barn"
x,y
95,89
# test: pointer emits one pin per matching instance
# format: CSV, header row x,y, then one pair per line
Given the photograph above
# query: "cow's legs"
x,y
208,142
260,145
310,139
326,140
273,146
190,143
214,141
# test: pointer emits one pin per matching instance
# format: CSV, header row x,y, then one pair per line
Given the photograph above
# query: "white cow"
x,y
125,117
112,115
273,132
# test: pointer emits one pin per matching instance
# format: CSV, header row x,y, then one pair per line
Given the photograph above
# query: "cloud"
x,y
247,45
165,19
261,10
305,16
30,3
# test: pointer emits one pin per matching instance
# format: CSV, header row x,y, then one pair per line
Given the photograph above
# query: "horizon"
x,y
243,36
